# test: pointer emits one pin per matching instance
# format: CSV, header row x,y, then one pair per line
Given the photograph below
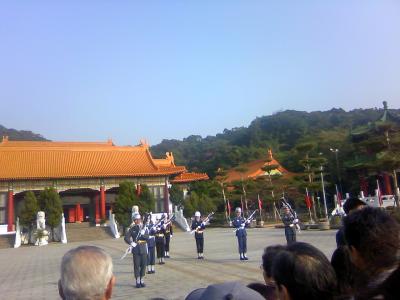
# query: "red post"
x,y
10,211
102,203
97,208
166,197
388,184
78,213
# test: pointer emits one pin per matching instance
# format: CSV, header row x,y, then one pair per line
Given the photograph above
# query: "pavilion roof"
x,y
189,177
56,160
253,169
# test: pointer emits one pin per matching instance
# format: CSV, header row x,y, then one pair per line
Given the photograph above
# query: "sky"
x,y
128,70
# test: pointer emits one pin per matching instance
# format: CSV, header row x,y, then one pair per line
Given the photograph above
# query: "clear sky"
x,y
92,70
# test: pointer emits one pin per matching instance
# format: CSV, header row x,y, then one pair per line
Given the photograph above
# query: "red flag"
x,y
339,196
308,200
229,207
379,194
259,202
138,189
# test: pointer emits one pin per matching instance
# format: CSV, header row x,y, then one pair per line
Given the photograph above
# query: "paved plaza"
x,y
33,272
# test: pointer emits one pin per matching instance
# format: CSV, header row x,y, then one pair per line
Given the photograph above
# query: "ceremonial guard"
x,y
198,227
168,235
151,246
160,242
137,237
290,220
240,224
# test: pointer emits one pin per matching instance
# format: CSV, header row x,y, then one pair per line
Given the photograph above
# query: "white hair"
x,y
85,273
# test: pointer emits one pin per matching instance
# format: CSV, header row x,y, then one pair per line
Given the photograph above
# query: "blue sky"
x,y
92,70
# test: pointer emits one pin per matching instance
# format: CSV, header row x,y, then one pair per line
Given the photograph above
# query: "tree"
x,y
50,203
176,195
28,213
123,203
146,201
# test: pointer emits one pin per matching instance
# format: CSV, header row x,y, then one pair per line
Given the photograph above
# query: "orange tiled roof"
x,y
52,160
189,177
254,169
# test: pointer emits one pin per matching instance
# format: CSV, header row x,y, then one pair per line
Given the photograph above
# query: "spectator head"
x,y
344,270
373,239
353,204
301,271
225,291
259,288
86,273
267,259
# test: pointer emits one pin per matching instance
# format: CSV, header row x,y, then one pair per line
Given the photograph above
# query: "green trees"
x,y
127,197
123,203
27,215
176,195
50,203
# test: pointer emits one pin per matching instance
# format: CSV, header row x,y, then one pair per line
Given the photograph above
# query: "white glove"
x,y
142,232
133,244
296,221
291,225
248,222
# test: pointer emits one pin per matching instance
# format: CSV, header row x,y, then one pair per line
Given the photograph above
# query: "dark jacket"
x,y
199,225
237,223
134,234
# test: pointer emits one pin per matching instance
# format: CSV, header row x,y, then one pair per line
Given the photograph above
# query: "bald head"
x,y
86,273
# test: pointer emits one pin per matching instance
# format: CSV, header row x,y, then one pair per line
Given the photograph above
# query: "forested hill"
x,y
20,135
281,131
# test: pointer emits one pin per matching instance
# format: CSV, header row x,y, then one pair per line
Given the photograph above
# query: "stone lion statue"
x,y
41,232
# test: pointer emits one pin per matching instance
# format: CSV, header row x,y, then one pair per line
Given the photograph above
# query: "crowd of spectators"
x,y
365,265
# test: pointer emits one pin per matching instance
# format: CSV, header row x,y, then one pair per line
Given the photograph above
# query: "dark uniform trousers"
x,y
151,257
139,263
290,229
139,252
290,234
160,245
199,242
168,233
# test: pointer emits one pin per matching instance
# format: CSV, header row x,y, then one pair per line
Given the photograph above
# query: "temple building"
x,y
85,174
253,169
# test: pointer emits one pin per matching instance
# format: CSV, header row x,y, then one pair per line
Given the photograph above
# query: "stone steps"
x,y
78,232
7,241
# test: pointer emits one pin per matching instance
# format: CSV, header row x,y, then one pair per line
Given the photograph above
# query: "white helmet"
x,y
238,209
197,214
136,217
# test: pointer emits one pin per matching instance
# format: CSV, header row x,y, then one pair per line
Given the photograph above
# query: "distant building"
x,y
253,169
86,175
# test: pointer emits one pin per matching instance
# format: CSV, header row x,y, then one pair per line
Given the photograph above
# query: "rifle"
x,y
169,220
248,220
157,223
205,221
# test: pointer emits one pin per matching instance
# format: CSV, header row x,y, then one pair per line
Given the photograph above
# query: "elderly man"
x,y
86,273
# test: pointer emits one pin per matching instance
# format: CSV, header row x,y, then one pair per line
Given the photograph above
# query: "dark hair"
x,y
375,235
270,253
344,270
305,272
352,203
261,288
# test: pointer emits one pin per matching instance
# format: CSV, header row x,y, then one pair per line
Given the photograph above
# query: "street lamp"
x,y
336,152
